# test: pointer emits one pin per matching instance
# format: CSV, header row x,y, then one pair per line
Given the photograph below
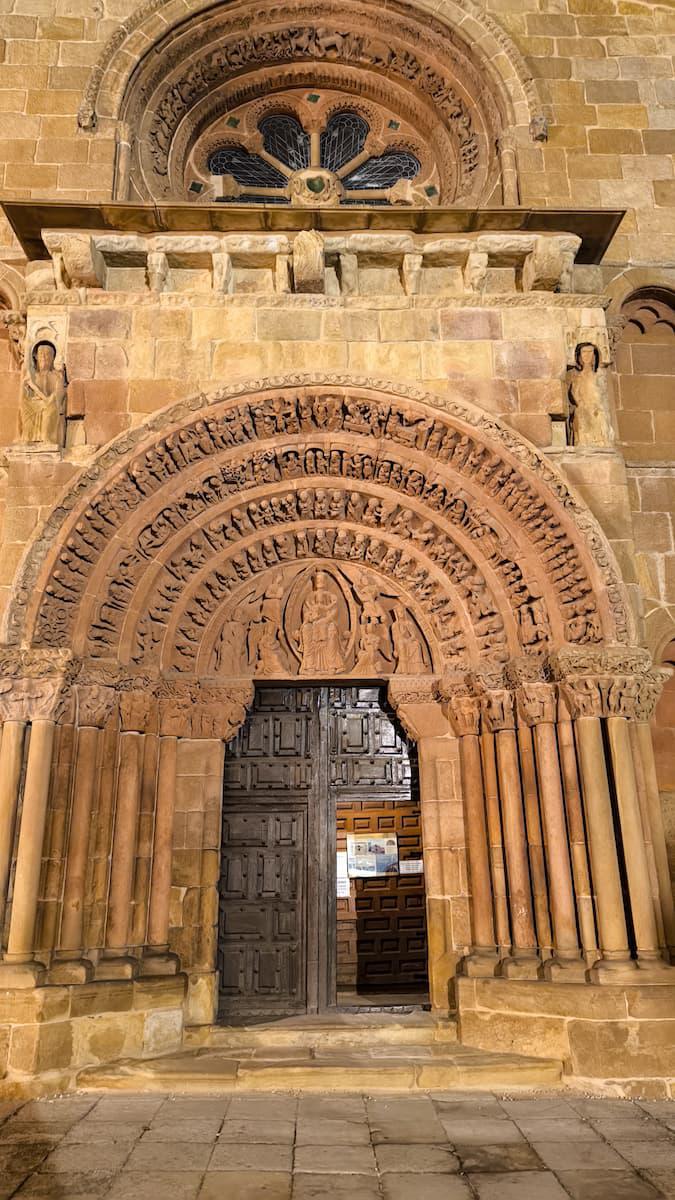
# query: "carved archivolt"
x,y
456,75
408,507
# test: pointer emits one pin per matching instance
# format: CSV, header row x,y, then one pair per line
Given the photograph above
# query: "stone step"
x,y
346,1069
344,1029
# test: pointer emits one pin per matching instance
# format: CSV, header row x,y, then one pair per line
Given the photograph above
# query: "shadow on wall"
x,y
663,727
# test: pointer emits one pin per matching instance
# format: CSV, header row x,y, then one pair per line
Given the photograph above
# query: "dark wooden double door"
x,y
311,764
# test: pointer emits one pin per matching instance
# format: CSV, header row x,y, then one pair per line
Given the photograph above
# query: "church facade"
x,y
338,576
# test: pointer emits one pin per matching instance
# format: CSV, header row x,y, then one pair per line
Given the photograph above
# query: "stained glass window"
x,y
248,169
343,139
383,172
285,139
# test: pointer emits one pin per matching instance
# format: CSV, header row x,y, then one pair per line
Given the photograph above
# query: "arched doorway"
x,y
197,556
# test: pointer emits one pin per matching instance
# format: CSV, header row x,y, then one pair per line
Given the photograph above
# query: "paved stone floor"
x,y
445,1146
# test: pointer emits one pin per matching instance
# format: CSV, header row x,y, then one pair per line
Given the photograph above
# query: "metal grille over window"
x,y
285,139
342,140
383,172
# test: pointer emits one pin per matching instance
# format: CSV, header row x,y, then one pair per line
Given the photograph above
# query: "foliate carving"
x,y
37,664
423,690
502,472
651,686
94,704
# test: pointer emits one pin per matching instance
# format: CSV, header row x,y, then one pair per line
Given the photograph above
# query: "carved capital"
x,y
193,710
610,681
416,702
138,711
651,686
464,714
38,699
94,704
536,703
498,709
599,660
412,689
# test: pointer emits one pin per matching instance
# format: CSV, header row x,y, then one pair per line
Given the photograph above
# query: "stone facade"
x,y
439,430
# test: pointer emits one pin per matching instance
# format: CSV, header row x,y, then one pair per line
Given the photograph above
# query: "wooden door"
x,y
309,765
267,868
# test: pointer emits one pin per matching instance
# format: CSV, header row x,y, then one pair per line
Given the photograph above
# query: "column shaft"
x,y
577,836
612,931
477,844
124,839
494,826
84,787
31,839
635,854
515,845
563,908
534,838
160,883
11,761
641,781
644,739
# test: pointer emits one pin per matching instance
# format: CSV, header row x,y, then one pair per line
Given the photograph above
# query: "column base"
x,y
120,966
71,970
479,964
161,962
612,971
570,970
657,968
519,966
22,974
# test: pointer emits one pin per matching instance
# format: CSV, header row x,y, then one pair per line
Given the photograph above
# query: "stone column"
x,y
506,147
495,841
137,714
94,706
634,849
528,774
464,712
157,960
417,706
583,697
537,707
39,696
643,735
11,762
577,835
499,716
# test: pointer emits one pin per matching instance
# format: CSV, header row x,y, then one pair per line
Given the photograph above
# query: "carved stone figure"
x,y
229,649
407,646
588,422
320,639
42,411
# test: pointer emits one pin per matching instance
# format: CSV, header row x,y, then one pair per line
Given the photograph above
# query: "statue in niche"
x,y
588,422
407,646
42,410
320,639
228,655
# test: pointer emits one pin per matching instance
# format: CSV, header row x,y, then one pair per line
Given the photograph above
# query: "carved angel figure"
x,y
588,422
42,411
319,637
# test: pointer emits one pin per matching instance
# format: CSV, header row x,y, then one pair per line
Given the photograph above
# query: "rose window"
x,y
338,163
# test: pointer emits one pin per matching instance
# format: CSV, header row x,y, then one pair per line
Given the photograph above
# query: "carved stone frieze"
x,y
203,710
611,682
514,482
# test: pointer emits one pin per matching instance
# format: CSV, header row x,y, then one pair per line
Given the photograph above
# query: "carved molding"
x,y
528,478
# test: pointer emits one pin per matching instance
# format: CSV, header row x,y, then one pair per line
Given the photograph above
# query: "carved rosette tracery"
x,y
207,70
